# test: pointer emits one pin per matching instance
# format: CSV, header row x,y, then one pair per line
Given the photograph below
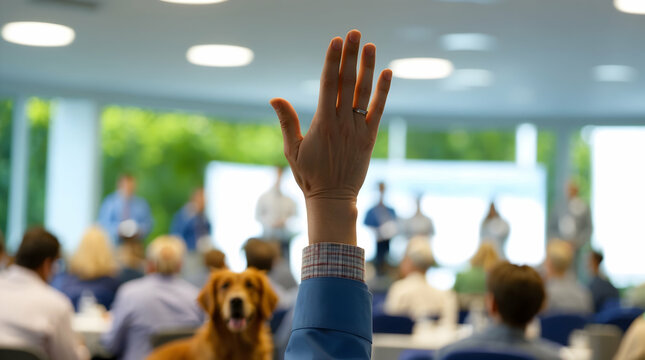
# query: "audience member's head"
x,y
595,259
559,257
131,255
38,251
127,185
94,257
165,255
260,254
418,257
515,294
198,200
215,260
485,258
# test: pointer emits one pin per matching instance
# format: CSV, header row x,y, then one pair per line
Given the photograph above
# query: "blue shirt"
x,y
190,226
116,208
332,320
601,291
505,338
103,288
145,306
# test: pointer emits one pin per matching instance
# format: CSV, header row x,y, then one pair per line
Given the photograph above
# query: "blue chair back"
x,y
388,324
558,327
486,354
378,301
621,317
276,319
414,354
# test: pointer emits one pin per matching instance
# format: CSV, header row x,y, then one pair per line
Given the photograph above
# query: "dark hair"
x,y
260,254
597,257
518,291
1,243
37,246
215,259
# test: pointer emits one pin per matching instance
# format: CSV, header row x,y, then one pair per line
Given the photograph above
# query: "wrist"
x,y
332,220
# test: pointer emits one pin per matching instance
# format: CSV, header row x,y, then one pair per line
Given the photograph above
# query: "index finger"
x,y
329,77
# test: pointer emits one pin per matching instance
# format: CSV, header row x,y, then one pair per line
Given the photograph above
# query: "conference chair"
x,y
621,317
486,354
415,354
276,319
165,336
21,353
388,324
558,327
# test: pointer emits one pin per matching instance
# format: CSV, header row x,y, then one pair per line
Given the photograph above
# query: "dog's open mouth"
x,y
237,324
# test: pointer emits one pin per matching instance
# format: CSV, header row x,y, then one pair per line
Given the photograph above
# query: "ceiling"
x,y
134,51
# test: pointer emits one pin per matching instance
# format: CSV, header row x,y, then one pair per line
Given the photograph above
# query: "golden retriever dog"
x,y
238,306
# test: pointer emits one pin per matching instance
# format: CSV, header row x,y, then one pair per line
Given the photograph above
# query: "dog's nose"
x,y
236,304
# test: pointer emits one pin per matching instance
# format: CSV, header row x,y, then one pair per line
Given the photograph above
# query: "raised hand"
x,y
330,162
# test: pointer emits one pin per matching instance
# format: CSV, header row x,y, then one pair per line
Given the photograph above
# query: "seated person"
x,y
132,260
32,313
161,300
632,346
515,294
212,259
470,284
91,270
262,255
412,296
601,289
564,293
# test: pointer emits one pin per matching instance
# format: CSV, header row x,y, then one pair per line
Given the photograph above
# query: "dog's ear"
x,y
268,298
206,297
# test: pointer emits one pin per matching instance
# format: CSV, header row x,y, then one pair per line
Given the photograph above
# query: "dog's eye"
x,y
225,285
249,284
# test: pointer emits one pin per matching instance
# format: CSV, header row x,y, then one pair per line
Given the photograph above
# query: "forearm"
x,y
332,221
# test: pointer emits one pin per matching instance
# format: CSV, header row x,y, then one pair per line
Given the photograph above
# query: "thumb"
x,y
289,124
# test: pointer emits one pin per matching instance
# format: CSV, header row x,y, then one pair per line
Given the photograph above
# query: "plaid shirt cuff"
x,y
333,260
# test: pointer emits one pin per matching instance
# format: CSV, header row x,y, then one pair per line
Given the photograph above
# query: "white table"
x,y
91,327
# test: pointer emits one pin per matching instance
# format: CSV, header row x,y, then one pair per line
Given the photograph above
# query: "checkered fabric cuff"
x,y
333,260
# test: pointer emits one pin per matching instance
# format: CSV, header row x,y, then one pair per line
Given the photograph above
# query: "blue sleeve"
x,y
332,320
177,224
106,218
371,219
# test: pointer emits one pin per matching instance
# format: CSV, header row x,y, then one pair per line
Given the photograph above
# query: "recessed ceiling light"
x,y
421,68
614,73
219,55
33,33
630,6
467,42
194,2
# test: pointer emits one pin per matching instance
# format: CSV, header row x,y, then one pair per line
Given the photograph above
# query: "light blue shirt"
x,y
505,338
332,320
148,305
116,208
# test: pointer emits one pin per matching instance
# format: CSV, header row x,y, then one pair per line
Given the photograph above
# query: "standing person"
x,y
382,219
190,222
273,211
494,229
419,224
601,289
564,293
159,301
32,313
124,215
332,317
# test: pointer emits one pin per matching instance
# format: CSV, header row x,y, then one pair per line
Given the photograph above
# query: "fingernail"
x,y
337,44
387,74
354,36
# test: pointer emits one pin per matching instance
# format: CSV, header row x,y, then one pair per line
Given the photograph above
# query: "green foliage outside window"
x,y
489,145
5,160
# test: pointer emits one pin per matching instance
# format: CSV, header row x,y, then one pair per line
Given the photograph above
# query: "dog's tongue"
x,y
237,324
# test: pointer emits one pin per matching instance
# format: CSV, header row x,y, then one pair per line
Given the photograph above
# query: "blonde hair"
x,y
166,253
559,255
486,257
94,257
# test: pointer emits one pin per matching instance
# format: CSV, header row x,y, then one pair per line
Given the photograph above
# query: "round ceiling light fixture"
x,y
614,73
630,6
219,55
194,2
32,33
421,68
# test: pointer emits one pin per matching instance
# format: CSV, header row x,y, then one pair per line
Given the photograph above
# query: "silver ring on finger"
x,y
360,111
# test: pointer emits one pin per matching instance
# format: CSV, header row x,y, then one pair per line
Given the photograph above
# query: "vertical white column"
x,y
526,136
17,214
397,139
73,158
